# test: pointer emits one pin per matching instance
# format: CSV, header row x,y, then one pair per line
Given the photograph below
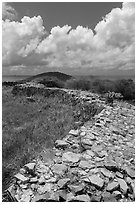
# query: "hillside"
x,y
51,75
92,161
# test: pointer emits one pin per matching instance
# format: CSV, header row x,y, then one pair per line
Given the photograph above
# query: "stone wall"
x,y
93,163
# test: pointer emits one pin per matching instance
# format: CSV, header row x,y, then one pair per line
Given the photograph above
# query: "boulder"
x,y
74,132
59,169
21,178
71,157
96,181
123,185
82,198
112,186
86,164
61,144
62,182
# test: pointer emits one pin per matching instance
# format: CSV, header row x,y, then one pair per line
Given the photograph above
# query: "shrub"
x,y
52,83
103,86
126,88
79,84
110,96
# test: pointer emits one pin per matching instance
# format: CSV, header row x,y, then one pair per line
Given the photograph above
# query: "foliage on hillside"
x,y
125,87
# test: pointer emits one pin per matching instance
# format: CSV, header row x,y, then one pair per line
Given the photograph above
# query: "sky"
x,y
72,37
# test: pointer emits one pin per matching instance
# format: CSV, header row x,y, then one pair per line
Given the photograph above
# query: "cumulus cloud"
x,y
20,39
8,12
112,45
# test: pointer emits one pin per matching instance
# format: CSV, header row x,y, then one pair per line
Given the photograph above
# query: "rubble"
x,y
96,161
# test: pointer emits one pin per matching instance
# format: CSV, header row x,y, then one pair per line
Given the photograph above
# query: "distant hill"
x,y
49,76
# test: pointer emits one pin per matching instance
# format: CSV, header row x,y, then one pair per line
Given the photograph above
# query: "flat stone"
x,y
112,186
119,175
111,165
74,132
107,173
30,166
59,169
82,198
71,157
130,172
123,185
33,180
21,178
97,181
86,165
76,188
62,182
46,188
61,144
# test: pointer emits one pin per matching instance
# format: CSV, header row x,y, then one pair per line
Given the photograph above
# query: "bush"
x,y
126,88
52,83
103,86
110,96
79,84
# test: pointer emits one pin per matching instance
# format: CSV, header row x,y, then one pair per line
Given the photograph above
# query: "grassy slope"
x,y
29,127
51,75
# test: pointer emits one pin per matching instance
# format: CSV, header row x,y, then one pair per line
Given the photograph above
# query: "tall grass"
x,y
30,127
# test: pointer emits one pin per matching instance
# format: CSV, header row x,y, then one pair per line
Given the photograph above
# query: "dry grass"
x,y
28,127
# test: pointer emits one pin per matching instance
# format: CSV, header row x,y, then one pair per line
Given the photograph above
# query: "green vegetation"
x,y
33,121
52,82
126,87
30,127
78,83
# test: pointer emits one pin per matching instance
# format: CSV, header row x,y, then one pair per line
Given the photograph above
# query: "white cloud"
x,y
20,39
8,12
112,46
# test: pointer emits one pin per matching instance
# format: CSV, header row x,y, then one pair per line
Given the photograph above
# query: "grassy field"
x,y
30,127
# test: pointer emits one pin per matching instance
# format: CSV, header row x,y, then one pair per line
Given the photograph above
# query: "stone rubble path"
x,y
95,163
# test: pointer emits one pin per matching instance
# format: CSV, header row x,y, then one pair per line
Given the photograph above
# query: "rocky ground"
x,y
94,163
